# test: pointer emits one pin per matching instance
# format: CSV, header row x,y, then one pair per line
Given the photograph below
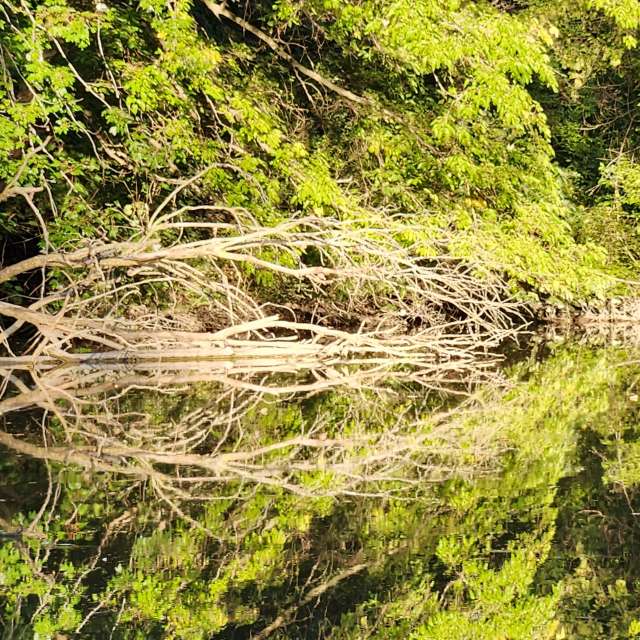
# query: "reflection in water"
x,y
149,505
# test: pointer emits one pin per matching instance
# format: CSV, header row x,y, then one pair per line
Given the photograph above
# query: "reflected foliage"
x,y
358,199
539,546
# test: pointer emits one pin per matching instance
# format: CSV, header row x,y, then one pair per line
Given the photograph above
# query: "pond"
x,y
184,509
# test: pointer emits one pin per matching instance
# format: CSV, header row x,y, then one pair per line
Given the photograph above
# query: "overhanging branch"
x,y
221,11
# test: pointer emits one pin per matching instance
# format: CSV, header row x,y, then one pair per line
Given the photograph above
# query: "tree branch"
x,y
220,11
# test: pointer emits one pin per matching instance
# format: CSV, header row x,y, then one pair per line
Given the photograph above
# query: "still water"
x,y
196,511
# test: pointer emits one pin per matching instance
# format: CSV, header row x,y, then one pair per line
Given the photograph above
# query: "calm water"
x,y
180,513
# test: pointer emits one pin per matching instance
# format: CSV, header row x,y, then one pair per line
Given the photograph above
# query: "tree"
x,y
262,254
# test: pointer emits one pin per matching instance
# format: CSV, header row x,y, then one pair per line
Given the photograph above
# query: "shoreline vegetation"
x,y
318,319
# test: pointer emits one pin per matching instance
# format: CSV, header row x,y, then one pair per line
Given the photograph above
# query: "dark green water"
x,y
513,516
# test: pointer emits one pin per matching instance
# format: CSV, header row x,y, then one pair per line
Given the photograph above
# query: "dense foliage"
x,y
427,149
482,123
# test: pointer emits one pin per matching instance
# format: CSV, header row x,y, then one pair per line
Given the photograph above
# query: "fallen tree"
x,y
423,324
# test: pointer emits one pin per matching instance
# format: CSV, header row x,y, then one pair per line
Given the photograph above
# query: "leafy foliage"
x,y
105,110
498,135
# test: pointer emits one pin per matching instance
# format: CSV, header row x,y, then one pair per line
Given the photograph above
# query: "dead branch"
x,y
288,615
90,355
220,10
